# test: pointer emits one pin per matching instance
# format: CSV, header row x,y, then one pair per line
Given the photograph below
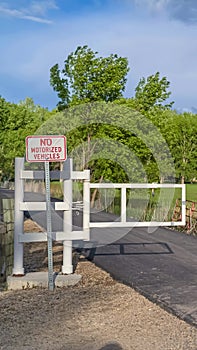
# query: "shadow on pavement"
x,y
143,248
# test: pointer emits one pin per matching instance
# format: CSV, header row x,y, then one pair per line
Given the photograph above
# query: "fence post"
x,y
67,266
86,206
2,254
123,204
183,204
8,242
18,218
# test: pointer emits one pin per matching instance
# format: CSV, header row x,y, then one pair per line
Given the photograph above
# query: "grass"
x,y
142,206
57,190
191,192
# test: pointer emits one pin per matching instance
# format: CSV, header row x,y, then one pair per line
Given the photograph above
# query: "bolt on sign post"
x,y
47,149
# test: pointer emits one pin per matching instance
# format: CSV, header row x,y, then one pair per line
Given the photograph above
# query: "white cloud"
x,y
183,10
42,7
153,5
9,12
34,11
36,19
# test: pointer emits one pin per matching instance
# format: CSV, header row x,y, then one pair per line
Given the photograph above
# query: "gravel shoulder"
x,y
98,313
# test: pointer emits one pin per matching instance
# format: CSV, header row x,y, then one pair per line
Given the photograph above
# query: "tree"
x,y
87,78
151,92
17,121
180,131
116,135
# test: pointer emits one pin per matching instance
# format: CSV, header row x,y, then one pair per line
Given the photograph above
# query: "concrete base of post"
x,y
40,280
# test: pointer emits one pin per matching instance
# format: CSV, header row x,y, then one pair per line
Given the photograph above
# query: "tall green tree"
x,y
180,131
115,134
87,77
150,93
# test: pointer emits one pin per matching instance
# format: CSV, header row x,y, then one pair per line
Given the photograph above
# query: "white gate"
x,y
123,217
67,236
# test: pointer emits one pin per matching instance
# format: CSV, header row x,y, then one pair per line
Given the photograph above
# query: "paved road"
x,y
162,265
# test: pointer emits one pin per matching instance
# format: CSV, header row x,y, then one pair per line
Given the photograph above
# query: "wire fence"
x,y
7,239
191,216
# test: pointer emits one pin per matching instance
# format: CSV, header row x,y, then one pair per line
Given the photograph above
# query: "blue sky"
x,y
155,35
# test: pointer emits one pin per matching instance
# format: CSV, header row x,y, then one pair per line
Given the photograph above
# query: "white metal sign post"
x,y
49,227
47,149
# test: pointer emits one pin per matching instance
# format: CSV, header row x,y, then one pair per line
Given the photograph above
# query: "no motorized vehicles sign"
x,y
45,148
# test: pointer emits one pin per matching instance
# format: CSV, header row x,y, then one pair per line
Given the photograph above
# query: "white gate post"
x,y
67,266
18,218
123,204
86,206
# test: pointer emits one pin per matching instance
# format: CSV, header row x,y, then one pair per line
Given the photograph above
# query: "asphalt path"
x,y
162,265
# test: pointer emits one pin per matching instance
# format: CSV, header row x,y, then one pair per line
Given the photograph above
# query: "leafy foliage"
x,y
17,122
150,93
105,136
86,77
180,132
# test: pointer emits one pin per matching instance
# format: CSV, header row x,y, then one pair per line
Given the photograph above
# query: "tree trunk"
x,y
161,179
95,193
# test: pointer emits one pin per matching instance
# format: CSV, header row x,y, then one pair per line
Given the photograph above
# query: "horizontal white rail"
x,y
32,237
57,236
80,175
41,206
39,175
113,224
73,235
142,185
